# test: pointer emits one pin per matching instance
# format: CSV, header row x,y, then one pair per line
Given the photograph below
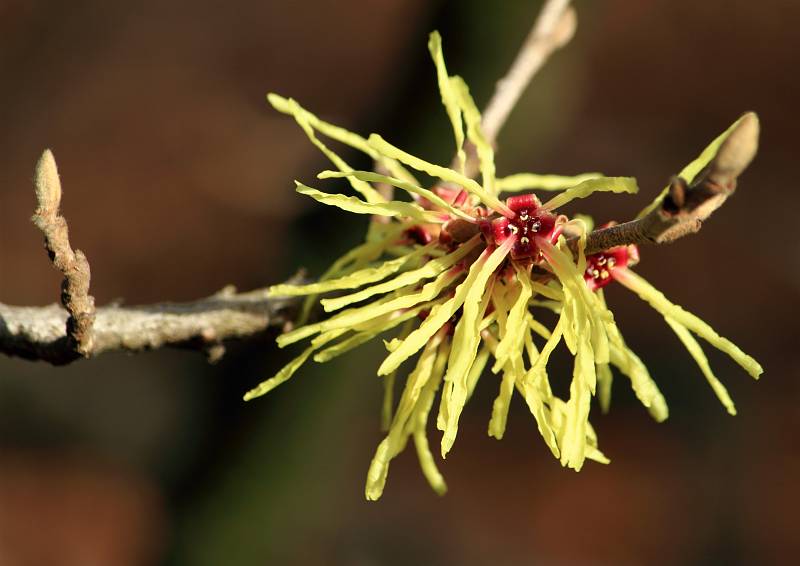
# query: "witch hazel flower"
x,y
612,265
461,276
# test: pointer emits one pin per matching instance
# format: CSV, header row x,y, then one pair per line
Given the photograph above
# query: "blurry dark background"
x,y
178,180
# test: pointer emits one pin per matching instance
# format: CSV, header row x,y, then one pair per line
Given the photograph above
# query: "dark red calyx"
x,y
454,196
418,235
486,230
528,223
600,266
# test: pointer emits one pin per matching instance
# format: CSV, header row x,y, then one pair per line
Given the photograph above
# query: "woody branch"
x,y
60,334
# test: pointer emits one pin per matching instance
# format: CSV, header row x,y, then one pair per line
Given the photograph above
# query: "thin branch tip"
x,y
566,27
553,29
685,206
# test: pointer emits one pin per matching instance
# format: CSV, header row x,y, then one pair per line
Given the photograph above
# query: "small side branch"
x,y
684,207
72,264
553,29
61,334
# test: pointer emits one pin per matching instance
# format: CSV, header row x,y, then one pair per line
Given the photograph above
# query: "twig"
x,y
37,333
73,264
553,29
684,207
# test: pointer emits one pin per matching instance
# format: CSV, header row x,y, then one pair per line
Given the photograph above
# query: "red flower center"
x,y
528,223
600,267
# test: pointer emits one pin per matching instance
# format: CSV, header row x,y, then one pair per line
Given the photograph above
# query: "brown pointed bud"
x,y
736,152
47,183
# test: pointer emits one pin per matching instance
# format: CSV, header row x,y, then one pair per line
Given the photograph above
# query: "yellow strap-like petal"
x,y
513,373
547,291
659,302
302,118
532,181
289,369
353,260
400,184
361,315
472,116
428,464
629,364
536,389
589,186
397,437
438,317
292,108
449,95
585,314
539,328
466,339
430,269
355,205
443,173
429,291
363,333
512,339
605,378
573,434
352,280
419,422
696,352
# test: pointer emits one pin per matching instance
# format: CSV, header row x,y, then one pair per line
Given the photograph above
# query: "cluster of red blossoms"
x,y
528,226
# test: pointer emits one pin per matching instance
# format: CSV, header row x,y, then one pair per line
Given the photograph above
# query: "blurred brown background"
x,y
178,180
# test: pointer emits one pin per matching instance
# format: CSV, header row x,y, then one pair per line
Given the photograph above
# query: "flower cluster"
x,y
463,276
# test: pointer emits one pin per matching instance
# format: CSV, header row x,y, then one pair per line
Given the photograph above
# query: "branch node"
x,y
226,292
215,353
